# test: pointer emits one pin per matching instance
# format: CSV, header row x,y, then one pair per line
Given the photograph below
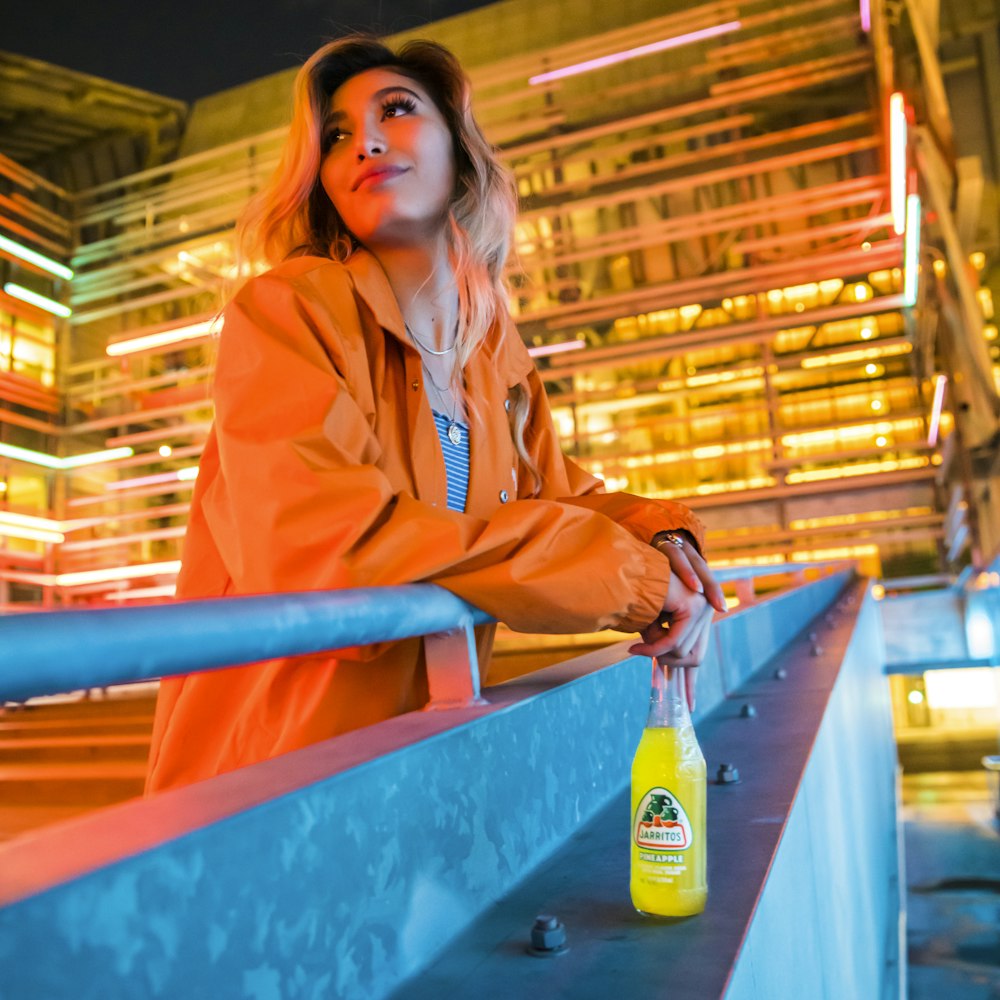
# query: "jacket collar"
x,y
372,285
507,351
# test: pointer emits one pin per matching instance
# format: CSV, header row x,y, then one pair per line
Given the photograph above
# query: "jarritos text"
x,y
661,822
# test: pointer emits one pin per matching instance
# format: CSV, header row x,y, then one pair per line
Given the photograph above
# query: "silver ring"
x,y
670,536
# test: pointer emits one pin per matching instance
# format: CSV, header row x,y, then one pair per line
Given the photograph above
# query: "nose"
x,y
369,141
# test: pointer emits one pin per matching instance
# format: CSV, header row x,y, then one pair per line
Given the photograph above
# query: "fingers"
x,y
692,570
679,635
710,587
692,650
684,677
686,615
694,634
681,566
658,640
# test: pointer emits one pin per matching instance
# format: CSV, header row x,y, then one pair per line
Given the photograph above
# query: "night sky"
x,y
187,49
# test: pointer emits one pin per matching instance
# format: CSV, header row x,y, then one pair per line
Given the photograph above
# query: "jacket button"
x,y
504,497
506,405
415,384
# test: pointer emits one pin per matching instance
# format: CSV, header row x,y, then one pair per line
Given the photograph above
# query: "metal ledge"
x,y
612,949
352,863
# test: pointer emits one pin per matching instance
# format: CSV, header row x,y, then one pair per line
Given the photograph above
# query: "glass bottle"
x,y
668,877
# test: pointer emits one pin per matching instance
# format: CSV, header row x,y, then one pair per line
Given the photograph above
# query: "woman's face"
x,y
388,164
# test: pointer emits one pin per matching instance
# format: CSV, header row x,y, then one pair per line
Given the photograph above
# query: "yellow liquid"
x,y
668,824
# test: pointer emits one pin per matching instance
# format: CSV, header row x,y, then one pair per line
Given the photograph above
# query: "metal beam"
x,y
925,35
981,420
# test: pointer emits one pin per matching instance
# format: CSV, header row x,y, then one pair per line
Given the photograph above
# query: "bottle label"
x,y
661,823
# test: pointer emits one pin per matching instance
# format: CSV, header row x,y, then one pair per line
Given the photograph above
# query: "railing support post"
x,y
452,668
745,592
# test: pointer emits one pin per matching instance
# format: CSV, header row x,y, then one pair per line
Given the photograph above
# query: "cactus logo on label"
x,y
661,822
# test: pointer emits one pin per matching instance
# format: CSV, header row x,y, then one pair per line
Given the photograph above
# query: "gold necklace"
x,y
424,347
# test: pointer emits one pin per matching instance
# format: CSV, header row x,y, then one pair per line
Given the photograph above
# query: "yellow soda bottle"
x,y
668,805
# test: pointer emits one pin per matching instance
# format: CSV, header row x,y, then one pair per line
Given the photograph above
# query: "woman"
x,y
379,421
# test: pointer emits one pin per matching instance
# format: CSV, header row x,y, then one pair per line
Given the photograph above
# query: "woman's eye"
x,y
332,136
396,106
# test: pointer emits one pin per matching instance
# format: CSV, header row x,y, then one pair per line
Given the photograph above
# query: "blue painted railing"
x,y
63,651
70,650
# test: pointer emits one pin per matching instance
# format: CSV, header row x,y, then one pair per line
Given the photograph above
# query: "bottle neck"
x,y
668,708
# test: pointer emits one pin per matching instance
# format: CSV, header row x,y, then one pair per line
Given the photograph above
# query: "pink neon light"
x,y
546,349
940,382
897,162
866,16
642,50
127,484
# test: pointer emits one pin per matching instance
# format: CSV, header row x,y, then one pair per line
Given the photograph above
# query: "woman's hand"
x,y
679,637
687,563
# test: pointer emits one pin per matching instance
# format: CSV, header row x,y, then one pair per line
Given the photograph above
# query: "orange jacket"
x,y
323,470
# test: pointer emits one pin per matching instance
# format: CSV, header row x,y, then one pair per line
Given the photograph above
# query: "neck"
x,y
423,282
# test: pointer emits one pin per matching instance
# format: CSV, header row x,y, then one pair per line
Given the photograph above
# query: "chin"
x,y
402,231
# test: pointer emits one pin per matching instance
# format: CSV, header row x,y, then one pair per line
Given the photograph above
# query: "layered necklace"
x,y
454,431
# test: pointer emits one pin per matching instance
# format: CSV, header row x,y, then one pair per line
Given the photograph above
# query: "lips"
x,y
377,175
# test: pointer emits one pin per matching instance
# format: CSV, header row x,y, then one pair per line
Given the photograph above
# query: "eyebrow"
x,y
336,115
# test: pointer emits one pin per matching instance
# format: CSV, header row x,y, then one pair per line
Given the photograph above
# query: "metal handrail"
x,y
70,650
59,651
730,574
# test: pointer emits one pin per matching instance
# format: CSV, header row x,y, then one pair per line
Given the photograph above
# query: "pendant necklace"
x,y
453,431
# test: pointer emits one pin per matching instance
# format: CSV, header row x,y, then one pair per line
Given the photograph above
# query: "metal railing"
x,y
62,651
70,650
424,790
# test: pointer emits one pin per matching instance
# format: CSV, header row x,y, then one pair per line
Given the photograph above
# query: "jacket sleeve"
x,y
565,480
296,500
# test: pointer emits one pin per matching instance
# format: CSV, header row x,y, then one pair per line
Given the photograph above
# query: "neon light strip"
x,y
12,519
546,349
96,457
940,381
140,593
30,534
897,161
33,257
161,339
642,50
116,573
160,477
26,295
127,484
34,457
71,462
911,251
866,16
28,521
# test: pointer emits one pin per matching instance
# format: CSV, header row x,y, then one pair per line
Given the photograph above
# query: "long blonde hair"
x,y
292,213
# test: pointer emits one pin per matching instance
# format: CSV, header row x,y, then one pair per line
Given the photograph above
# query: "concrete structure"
x,y
413,855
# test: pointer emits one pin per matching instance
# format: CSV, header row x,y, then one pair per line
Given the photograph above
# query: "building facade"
x,y
714,267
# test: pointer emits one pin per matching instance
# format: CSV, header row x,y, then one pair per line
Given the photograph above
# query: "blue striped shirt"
x,y
456,461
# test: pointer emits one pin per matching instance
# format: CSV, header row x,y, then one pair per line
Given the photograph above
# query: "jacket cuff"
x,y
651,592
650,519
